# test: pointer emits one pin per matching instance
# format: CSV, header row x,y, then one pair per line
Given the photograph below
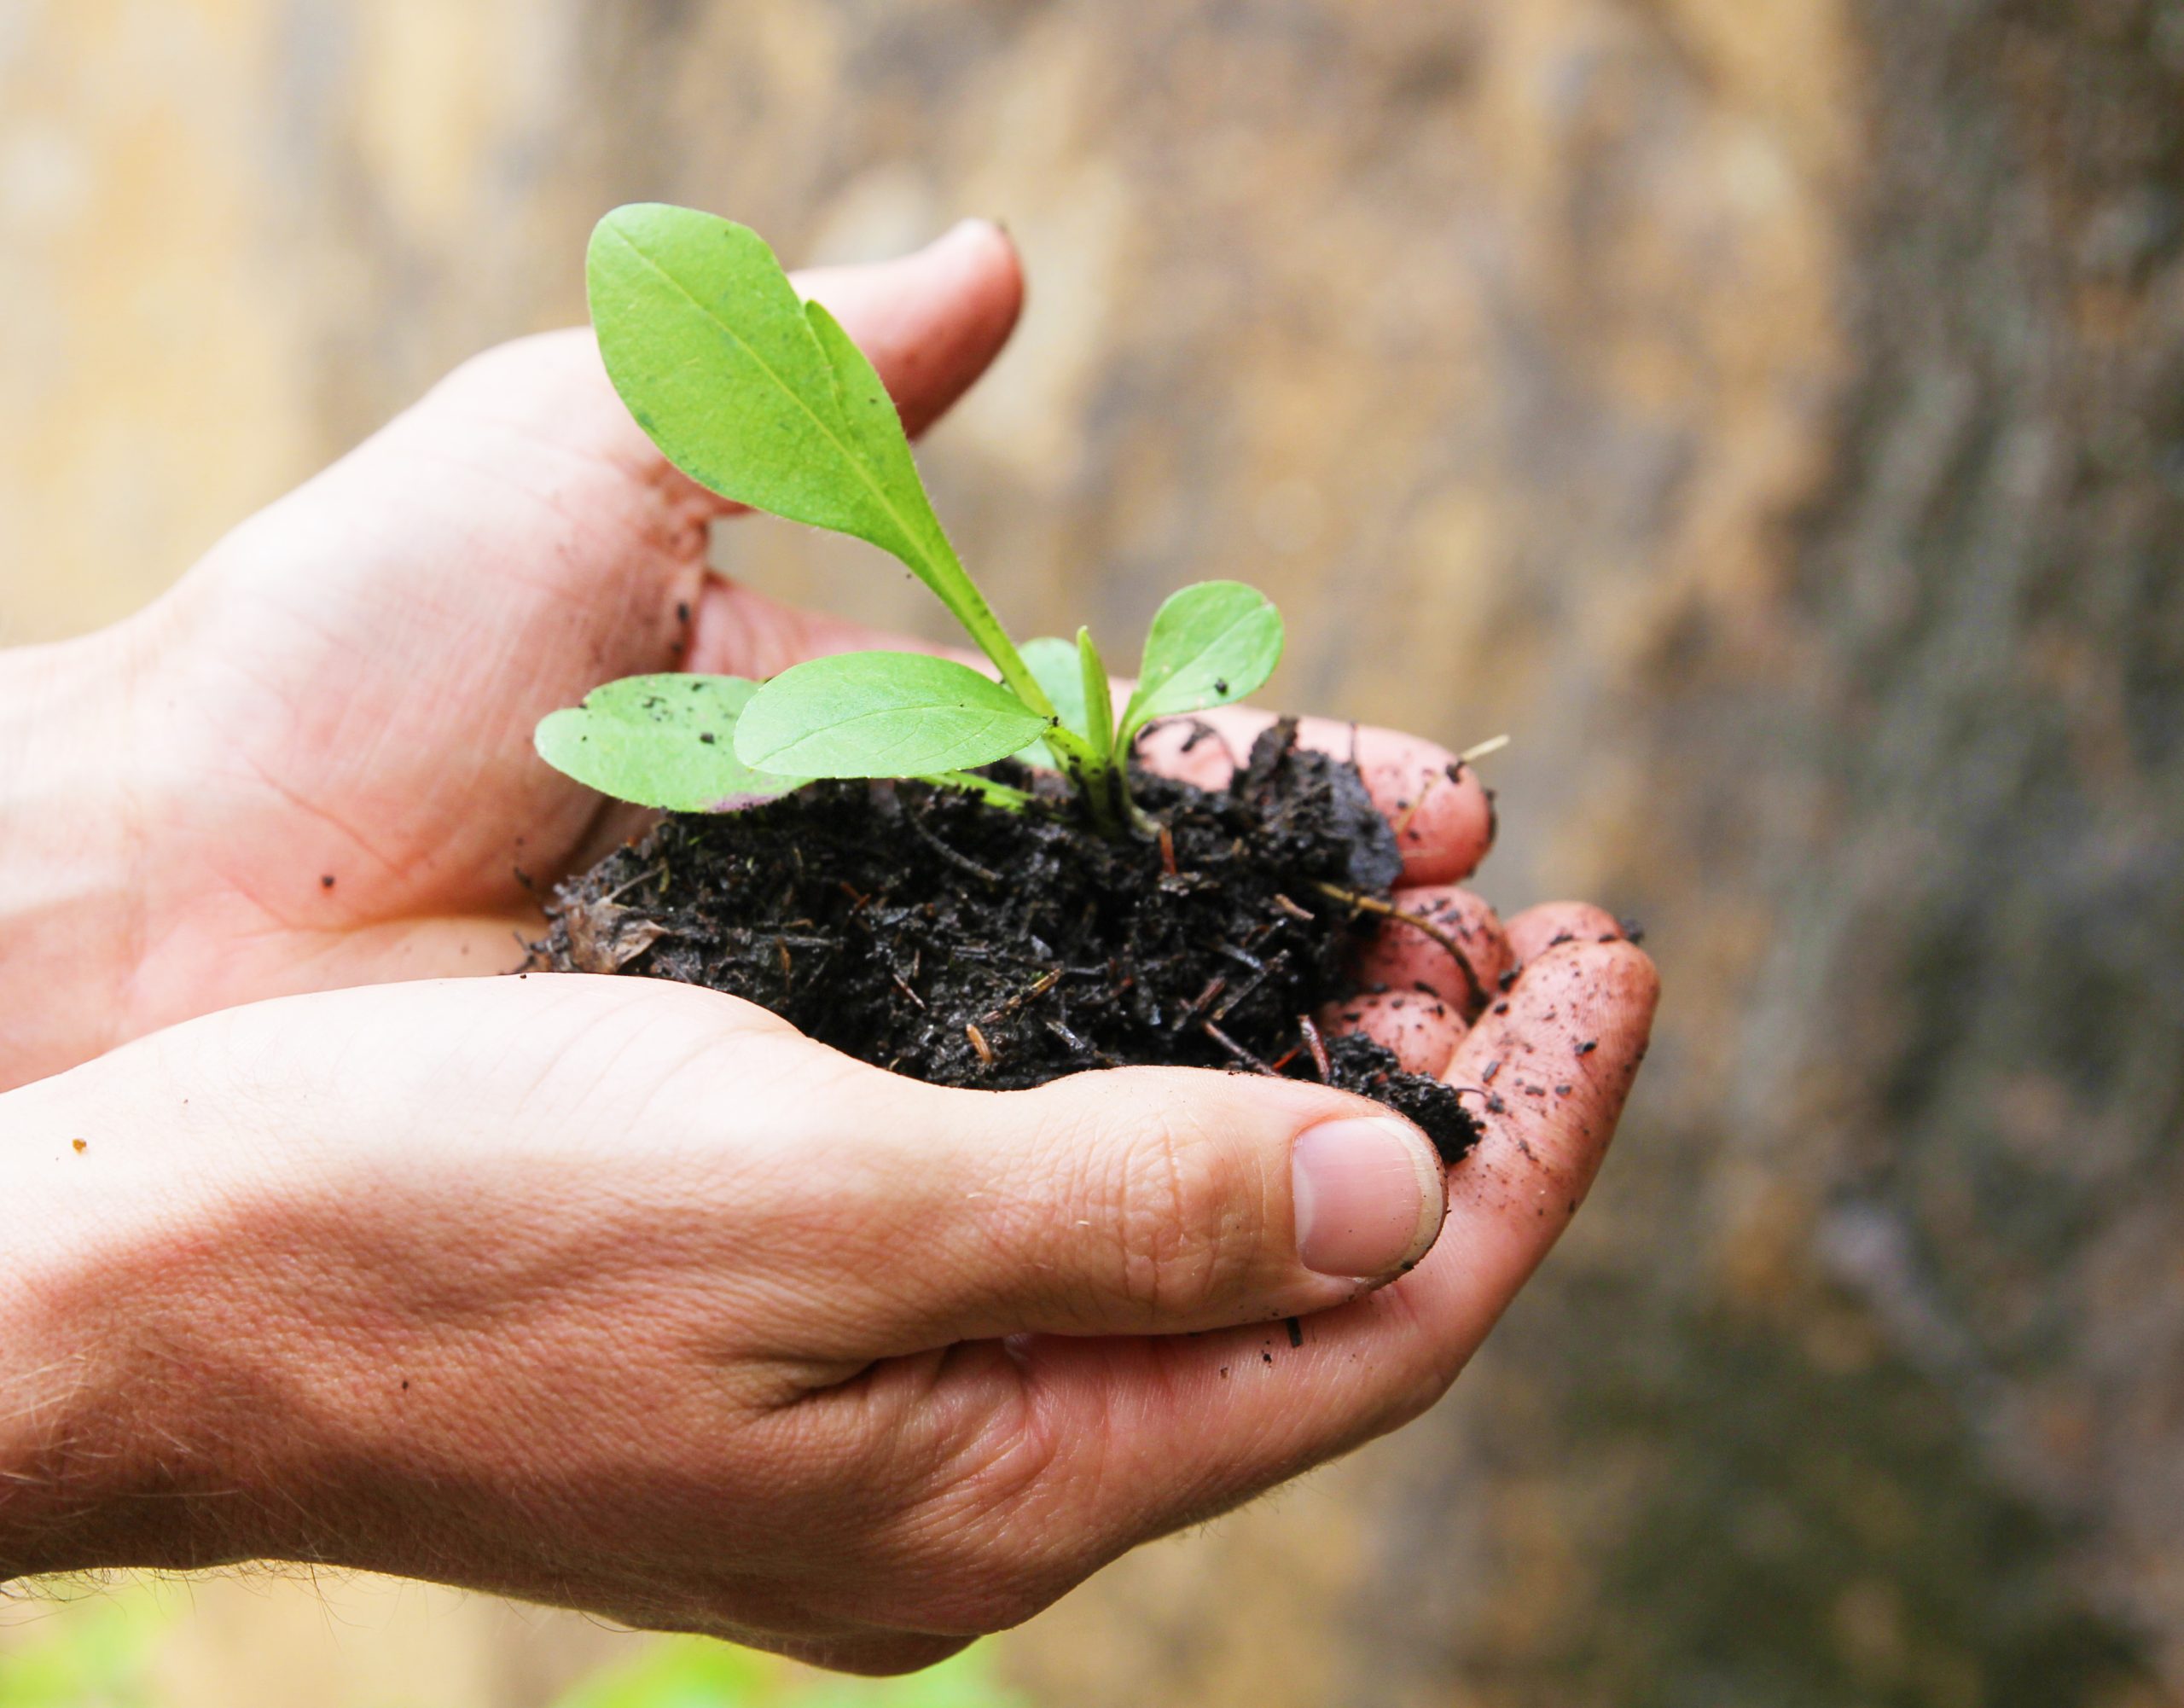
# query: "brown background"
x,y
1770,411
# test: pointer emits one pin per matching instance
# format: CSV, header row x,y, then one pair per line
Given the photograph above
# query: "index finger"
x,y
1442,813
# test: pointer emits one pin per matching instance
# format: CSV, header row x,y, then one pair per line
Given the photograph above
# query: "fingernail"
x,y
1369,1195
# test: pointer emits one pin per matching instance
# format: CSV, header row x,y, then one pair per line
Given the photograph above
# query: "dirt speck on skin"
x,y
920,929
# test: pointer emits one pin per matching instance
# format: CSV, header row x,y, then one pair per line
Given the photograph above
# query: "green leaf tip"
x,y
882,715
1210,644
665,740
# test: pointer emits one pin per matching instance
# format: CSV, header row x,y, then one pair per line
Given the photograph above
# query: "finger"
x,y
1183,1429
1552,924
1403,958
1144,1200
1442,813
1421,1029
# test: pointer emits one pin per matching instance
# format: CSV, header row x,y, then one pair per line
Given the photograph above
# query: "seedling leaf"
x,y
881,715
712,349
660,740
763,399
1210,644
1054,664
1098,693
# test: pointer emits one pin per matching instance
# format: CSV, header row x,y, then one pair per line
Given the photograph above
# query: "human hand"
x,y
310,764
623,1295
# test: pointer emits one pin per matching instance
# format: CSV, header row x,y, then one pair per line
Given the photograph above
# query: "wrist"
x,y
107,1455
70,893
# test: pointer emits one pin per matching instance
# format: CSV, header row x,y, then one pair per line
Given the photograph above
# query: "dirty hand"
x,y
623,1295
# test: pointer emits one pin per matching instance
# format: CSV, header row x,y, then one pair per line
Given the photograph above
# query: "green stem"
x,y
996,794
1090,772
960,595
1091,765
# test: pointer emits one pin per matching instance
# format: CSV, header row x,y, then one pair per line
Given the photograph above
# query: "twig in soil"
x,y
1317,1045
1243,957
979,1043
621,890
1214,987
1237,1050
963,863
1294,912
903,985
1245,992
1361,902
1030,993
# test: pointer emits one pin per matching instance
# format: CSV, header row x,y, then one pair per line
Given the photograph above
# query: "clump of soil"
x,y
923,929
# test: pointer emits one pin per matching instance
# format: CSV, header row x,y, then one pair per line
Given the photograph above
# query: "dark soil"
x,y
923,929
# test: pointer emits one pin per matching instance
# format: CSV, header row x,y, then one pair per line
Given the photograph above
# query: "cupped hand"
x,y
329,775
623,1295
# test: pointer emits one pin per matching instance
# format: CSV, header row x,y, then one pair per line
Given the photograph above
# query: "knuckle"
x,y
1181,1218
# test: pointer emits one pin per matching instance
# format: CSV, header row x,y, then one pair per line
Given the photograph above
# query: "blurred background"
x,y
1769,411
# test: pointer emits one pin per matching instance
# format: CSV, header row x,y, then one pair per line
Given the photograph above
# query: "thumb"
x,y
932,321
1154,1201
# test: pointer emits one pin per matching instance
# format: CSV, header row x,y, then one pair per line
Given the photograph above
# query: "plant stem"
x,y
996,794
1091,772
960,595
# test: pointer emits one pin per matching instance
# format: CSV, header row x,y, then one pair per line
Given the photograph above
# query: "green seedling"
x,y
762,397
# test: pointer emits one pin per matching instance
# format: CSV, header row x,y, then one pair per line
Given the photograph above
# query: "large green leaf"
x,y
882,715
765,398
1054,664
660,740
1209,644
719,361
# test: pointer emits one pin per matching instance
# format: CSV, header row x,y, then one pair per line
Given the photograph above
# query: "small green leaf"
x,y
1098,693
660,740
1054,664
882,715
1210,644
